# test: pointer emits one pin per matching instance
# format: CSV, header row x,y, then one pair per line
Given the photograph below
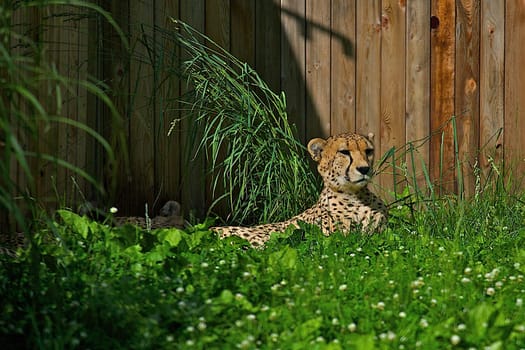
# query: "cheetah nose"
x,y
363,169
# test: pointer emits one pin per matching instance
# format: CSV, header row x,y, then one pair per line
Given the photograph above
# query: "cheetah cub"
x,y
345,163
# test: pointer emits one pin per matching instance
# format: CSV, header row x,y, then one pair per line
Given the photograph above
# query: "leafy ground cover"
x,y
449,276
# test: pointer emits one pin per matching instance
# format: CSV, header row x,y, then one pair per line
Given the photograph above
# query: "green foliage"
x,y
449,276
31,94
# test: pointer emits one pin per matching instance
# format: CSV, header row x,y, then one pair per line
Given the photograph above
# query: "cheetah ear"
x,y
315,147
371,136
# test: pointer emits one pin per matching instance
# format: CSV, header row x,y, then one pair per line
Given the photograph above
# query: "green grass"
x,y
450,276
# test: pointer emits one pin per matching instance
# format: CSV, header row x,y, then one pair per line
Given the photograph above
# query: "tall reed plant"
x,y
258,169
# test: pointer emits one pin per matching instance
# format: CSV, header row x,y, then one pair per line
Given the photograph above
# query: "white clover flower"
x,y
251,317
265,308
517,265
239,296
343,287
455,339
380,305
274,337
113,210
498,284
335,321
179,290
170,338
222,262
190,329
423,323
284,283
467,271
465,280
462,327
319,339
402,314
433,302
246,274
519,302
201,326
391,335
204,265
352,327
490,291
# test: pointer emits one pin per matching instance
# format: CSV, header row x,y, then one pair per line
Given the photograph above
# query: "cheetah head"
x,y
344,161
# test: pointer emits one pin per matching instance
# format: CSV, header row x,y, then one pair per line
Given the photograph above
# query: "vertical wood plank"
x,y
193,184
80,109
368,67
317,68
142,126
48,135
467,90
109,59
293,62
218,28
167,155
492,82
418,88
343,74
393,57
268,42
442,160
515,89
243,30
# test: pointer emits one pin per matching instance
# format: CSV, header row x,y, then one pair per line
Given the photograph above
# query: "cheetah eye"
x,y
369,152
344,152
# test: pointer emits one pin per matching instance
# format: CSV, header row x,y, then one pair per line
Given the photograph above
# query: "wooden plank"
x,y
108,57
293,62
218,28
193,169
343,74
317,68
418,89
492,83
467,91
442,160
48,135
79,110
142,162
243,30
393,60
368,67
268,42
167,154
514,89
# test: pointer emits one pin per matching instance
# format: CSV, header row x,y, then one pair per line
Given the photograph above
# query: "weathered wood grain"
x,y
317,69
515,90
393,61
467,91
343,73
293,62
142,116
442,94
492,84
418,90
267,42
167,148
193,182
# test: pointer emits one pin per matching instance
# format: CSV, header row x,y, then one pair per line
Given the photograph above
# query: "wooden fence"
x,y
399,69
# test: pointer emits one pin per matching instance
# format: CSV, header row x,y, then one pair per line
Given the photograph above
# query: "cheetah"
x,y
345,164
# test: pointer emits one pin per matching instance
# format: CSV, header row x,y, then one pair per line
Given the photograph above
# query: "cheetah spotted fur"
x,y
345,164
